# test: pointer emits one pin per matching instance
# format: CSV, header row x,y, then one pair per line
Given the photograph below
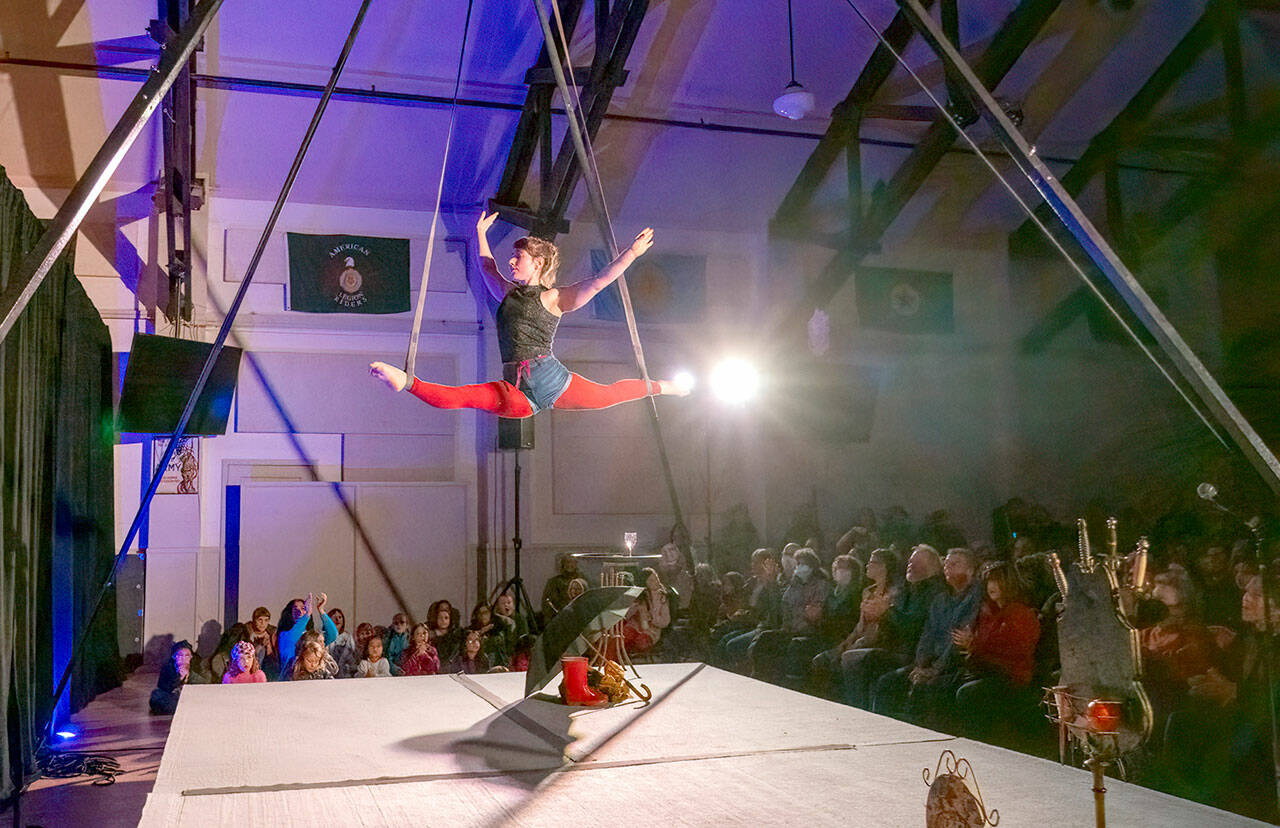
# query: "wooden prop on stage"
x,y
1099,703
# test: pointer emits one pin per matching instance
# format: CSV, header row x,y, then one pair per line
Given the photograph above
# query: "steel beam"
x,y
36,264
1014,36
1214,400
1124,126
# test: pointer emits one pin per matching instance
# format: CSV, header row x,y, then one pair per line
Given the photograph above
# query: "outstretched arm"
x,y
494,281
572,297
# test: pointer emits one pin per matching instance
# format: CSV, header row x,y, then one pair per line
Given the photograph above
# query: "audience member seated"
x,y
735,636
1176,648
505,615
705,600
523,651
395,640
469,659
296,618
1215,583
178,671
311,659
343,648
576,587
842,606
222,655
495,641
555,595
420,658
924,691
263,635
446,635
795,639
675,569
1218,743
648,616
374,664
733,597
898,630
999,651
877,596
243,668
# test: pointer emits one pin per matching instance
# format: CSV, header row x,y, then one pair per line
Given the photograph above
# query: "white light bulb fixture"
x,y
795,102
735,381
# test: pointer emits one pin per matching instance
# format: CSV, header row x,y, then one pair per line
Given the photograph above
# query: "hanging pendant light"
x,y
795,102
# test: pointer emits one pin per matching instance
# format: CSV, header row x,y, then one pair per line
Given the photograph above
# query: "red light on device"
x,y
1104,716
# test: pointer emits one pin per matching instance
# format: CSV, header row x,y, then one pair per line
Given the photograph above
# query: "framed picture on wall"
x,y
182,475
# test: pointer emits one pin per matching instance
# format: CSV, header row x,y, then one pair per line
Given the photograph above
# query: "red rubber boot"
x,y
574,689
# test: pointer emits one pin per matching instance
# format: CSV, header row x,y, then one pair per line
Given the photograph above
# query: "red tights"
x,y
505,400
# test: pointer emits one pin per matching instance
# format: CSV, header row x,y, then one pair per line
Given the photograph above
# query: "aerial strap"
x,y
559,59
411,356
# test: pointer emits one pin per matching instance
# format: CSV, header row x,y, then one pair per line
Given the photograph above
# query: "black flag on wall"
x,y
348,274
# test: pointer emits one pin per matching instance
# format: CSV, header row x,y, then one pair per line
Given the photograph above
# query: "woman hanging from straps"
x,y
530,309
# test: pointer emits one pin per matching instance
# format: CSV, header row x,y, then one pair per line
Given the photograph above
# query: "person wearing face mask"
x,y
801,620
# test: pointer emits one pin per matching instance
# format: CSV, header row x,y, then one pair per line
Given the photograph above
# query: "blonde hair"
x,y
546,252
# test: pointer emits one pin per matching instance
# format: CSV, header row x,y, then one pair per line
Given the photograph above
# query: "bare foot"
x,y
394,378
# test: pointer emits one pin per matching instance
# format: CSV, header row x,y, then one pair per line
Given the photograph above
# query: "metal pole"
x,y
36,264
1203,385
218,344
606,230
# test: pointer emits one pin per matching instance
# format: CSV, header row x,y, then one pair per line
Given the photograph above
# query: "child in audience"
x,y
648,616
263,635
470,660
176,673
343,648
446,635
312,660
373,665
420,658
396,638
243,668
221,658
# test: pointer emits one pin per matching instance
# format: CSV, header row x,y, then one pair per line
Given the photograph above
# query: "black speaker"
x,y
515,434
161,374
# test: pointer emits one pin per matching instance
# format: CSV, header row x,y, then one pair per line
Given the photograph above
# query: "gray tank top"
x,y
526,329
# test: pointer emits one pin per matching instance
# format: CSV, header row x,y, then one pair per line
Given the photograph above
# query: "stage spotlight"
x,y
684,381
65,734
735,381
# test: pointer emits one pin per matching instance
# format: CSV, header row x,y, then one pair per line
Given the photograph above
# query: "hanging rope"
x,y
559,55
559,59
411,356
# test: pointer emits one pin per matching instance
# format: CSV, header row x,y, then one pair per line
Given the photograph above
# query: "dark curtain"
x,y
56,502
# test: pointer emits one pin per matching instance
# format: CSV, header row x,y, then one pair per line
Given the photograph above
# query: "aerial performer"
x,y
529,311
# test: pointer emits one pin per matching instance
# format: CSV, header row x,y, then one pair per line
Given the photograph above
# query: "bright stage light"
x,y
735,381
684,381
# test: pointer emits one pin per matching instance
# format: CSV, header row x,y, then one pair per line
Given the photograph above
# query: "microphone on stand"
x,y
1208,491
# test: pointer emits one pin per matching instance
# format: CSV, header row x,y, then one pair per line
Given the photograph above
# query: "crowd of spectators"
x,y
906,620
310,641
912,621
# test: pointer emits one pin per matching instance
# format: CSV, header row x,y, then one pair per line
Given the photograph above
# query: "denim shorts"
x,y
542,379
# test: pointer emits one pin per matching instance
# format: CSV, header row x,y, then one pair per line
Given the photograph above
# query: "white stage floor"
x,y
712,748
